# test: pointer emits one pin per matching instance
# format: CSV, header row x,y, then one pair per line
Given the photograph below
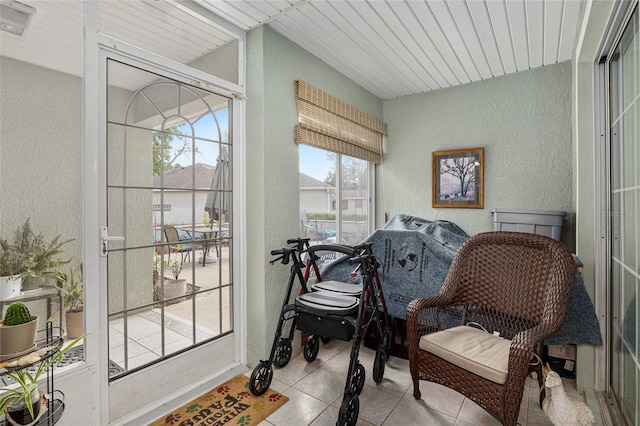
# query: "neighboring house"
x,y
318,196
175,204
315,195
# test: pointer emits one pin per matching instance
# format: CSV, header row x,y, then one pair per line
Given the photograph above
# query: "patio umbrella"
x,y
219,197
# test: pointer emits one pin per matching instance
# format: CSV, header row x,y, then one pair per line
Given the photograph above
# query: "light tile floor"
x,y
315,393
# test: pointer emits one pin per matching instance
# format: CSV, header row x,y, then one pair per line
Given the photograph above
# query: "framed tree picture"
x,y
458,178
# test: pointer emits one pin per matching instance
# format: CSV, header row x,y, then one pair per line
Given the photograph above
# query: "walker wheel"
x,y
386,343
260,378
357,380
348,415
378,365
311,348
325,340
283,353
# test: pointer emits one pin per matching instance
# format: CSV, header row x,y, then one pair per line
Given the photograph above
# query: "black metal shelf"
x,y
54,406
51,336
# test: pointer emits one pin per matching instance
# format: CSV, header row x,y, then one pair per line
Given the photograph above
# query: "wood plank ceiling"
x,y
392,48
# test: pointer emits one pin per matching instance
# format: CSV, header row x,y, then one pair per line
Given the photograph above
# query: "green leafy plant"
x,y
71,286
206,220
28,382
12,262
174,267
171,265
31,255
17,313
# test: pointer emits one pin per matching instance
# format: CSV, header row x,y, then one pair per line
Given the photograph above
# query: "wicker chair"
x,y
512,283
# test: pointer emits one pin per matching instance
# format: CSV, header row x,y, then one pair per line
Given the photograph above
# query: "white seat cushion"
x,y
473,349
338,287
324,302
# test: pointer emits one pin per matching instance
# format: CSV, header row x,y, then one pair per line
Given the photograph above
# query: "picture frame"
x,y
458,178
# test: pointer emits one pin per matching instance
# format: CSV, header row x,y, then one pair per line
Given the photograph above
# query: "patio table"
x,y
206,236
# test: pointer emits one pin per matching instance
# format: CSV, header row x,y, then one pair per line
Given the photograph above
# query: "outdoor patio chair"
x,y
505,292
305,226
178,244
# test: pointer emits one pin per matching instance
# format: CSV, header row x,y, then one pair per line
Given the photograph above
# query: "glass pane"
x,y
616,296
355,199
628,50
629,218
629,147
169,150
630,387
227,309
629,310
318,194
625,221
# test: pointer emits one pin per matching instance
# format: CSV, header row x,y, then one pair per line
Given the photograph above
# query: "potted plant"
x,y
42,254
173,287
70,285
22,405
12,266
17,331
30,257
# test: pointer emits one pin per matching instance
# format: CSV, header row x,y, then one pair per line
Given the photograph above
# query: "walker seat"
x,y
338,287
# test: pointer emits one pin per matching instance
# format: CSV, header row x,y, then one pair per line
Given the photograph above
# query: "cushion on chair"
x,y
473,349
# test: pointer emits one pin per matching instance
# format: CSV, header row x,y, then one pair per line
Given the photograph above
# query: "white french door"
x,y
623,65
165,140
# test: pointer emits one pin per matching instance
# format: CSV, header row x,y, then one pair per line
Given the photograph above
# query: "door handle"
x,y
105,237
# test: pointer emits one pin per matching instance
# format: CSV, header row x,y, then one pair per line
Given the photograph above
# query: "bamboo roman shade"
x,y
328,123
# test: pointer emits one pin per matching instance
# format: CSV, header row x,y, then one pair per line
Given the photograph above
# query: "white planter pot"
x,y
10,287
174,288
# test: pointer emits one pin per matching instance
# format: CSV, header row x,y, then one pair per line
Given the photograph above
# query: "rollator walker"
x,y
329,309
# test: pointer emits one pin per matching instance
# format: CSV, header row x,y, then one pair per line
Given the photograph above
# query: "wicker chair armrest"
x,y
423,318
423,312
524,344
528,339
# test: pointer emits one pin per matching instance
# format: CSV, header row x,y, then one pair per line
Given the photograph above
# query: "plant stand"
x,y
54,407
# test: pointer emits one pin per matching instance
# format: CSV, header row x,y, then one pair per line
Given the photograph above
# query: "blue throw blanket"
x,y
415,255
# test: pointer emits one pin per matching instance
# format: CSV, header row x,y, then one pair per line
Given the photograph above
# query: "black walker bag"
x,y
327,314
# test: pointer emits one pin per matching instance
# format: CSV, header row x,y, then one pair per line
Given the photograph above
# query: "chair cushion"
x,y
473,349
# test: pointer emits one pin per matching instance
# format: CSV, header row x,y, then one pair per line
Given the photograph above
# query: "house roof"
x,y
308,182
182,178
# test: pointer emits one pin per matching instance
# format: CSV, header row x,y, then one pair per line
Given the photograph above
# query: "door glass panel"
x,y
169,194
624,71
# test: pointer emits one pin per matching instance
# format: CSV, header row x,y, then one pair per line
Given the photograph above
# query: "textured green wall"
x,y
522,120
273,63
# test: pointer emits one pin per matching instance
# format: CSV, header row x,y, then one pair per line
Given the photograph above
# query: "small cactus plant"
x,y
17,313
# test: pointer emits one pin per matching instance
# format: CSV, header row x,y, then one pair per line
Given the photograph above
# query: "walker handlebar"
x,y
283,256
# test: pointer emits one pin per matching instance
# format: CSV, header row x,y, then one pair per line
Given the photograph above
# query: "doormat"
x,y
230,403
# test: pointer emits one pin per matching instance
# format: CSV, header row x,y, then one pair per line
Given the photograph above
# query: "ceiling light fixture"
x,y
15,16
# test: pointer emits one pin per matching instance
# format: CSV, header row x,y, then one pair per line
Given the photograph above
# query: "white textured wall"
x,y
273,63
41,152
522,120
